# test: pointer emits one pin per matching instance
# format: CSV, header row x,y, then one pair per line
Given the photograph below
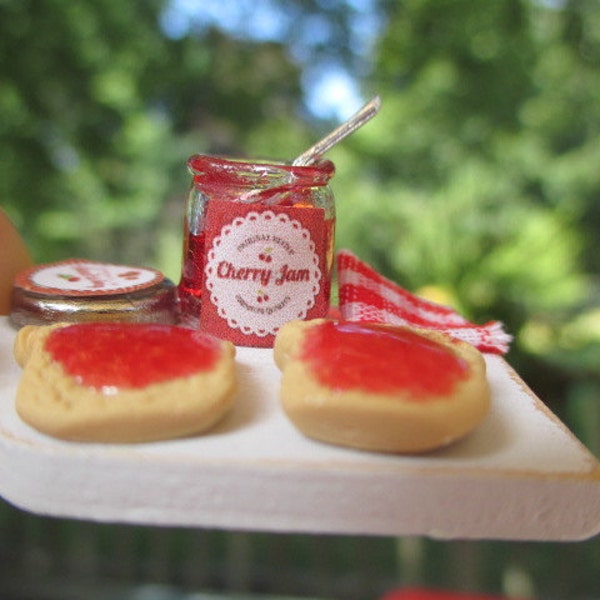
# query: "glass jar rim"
x,y
257,173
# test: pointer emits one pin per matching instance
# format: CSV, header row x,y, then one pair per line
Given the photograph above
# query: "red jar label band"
x,y
264,266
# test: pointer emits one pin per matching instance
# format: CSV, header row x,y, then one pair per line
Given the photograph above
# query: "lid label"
x,y
86,278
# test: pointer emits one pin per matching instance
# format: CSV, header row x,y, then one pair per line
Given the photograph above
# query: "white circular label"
x,y
262,271
89,277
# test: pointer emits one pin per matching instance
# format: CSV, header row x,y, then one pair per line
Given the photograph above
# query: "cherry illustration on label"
x,y
266,255
130,275
261,296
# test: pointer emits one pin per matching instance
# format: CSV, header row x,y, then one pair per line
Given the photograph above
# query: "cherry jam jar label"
x,y
264,266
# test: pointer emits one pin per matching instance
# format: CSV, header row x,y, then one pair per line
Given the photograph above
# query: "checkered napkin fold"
x,y
365,295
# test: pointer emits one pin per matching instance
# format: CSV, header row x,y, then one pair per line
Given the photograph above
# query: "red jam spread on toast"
x,y
130,355
381,359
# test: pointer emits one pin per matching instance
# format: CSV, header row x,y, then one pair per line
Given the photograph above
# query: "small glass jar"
x,y
78,290
258,247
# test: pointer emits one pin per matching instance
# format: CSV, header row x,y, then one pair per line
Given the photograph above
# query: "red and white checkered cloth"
x,y
365,295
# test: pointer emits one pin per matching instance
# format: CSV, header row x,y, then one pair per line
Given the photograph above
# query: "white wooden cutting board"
x,y
520,476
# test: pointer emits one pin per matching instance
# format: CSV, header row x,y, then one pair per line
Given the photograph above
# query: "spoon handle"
x,y
367,112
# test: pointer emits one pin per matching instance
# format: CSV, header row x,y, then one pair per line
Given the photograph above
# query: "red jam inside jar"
x,y
109,356
384,360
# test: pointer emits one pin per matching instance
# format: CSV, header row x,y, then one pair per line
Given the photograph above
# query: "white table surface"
x,y
521,475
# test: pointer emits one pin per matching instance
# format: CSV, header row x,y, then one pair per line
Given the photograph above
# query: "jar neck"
x,y
229,173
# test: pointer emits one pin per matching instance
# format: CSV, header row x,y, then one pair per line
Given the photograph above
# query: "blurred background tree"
x,y
477,184
478,180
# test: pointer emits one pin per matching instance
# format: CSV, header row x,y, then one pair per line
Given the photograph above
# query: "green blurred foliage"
x,y
99,111
478,183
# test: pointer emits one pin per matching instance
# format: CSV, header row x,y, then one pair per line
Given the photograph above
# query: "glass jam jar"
x,y
258,247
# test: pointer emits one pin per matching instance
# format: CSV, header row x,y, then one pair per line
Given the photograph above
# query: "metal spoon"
x,y
366,113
